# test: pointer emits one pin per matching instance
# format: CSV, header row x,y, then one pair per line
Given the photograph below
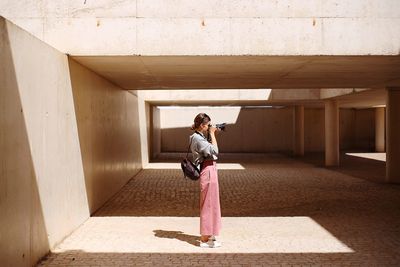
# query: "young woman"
x,y
204,156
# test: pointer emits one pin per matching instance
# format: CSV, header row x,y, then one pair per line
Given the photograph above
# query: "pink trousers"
x,y
210,209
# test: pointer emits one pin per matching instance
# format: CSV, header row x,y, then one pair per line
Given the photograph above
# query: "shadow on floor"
x,y
191,239
362,168
363,215
348,201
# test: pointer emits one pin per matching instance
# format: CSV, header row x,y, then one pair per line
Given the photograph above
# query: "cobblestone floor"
x,y
277,211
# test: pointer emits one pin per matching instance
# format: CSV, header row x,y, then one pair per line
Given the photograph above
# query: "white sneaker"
x,y
210,244
217,244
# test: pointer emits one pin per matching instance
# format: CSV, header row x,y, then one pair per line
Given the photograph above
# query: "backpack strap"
x,y
191,139
187,153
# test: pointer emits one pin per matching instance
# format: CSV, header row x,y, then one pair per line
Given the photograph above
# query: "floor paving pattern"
x,y
277,211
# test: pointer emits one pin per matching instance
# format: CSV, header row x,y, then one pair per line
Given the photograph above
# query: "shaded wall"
x,y
52,175
108,124
364,130
248,129
356,130
42,189
314,130
267,129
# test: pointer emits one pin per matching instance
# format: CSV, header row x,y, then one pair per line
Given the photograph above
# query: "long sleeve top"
x,y
202,149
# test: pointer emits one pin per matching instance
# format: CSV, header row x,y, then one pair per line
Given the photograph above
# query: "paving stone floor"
x,y
277,211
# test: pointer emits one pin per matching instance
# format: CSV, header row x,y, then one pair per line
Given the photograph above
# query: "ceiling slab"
x,y
363,99
360,100
222,72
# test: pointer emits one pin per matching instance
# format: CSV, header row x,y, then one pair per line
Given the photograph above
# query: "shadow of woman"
x,y
191,239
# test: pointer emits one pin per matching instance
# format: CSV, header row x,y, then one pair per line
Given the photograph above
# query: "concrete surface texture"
x,y
298,130
75,128
277,211
43,196
246,71
392,132
65,150
262,129
212,27
331,133
346,97
380,129
108,127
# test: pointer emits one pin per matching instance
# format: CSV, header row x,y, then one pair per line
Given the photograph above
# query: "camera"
x,y
220,126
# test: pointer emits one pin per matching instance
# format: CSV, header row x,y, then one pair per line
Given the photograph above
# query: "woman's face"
x,y
204,127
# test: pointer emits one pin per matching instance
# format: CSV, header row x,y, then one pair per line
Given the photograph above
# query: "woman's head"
x,y
201,122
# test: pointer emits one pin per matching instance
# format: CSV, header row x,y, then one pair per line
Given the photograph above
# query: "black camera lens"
x,y
220,126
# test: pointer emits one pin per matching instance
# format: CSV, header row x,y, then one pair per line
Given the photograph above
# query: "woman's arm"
x,y
213,138
206,148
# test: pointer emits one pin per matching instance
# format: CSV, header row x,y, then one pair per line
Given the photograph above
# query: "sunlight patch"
x,y
375,156
172,117
180,235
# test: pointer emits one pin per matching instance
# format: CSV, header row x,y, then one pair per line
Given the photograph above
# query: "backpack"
x,y
189,169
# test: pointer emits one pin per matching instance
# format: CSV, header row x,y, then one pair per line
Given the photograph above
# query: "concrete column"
x,y
380,129
144,110
156,130
393,135
298,131
331,133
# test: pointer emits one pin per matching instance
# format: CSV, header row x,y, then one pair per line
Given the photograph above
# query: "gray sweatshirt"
x,y
202,149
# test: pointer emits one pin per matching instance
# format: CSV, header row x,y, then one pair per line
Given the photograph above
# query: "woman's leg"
x,y
210,210
204,238
205,205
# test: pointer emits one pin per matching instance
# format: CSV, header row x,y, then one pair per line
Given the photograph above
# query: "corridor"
x,y
277,211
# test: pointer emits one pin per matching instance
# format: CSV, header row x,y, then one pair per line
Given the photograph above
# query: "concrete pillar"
x,y
144,110
298,131
331,133
156,130
393,135
380,129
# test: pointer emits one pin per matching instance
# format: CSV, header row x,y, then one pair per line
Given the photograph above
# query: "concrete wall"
x,y
357,129
212,27
314,129
248,129
42,191
266,129
108,125
228,95
364,129
68,140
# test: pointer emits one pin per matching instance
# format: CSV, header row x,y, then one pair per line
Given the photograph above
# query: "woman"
x,y
205,156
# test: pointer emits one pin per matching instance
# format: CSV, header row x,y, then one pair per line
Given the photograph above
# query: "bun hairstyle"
x,y
200,119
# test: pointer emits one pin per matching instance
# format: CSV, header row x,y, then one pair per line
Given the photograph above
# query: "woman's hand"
x,y
212,129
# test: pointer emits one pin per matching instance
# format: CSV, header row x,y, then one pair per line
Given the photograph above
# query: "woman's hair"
x,y
200,118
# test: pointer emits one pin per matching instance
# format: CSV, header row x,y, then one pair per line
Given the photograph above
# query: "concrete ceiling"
x,y
278,72
365,99
307,103
360,100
